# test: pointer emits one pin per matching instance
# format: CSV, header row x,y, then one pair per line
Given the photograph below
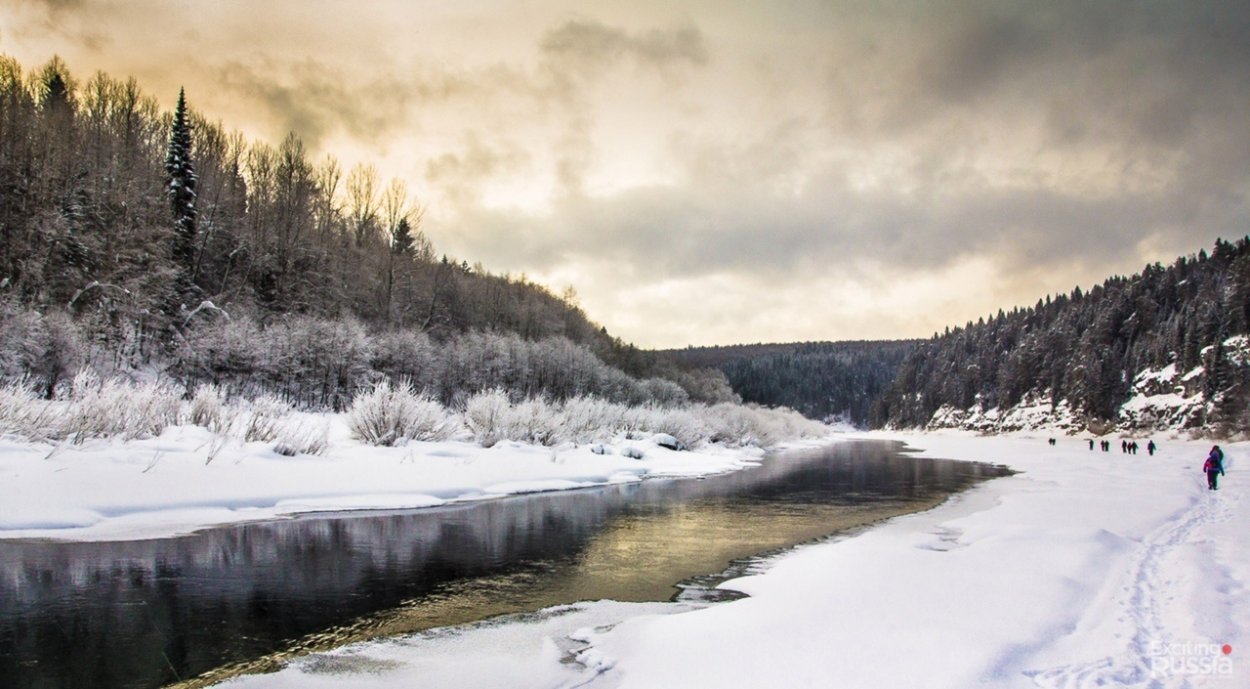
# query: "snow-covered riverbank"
x,y
113,490
1086,569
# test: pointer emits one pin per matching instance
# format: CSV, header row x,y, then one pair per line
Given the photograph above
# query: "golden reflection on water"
x,y
639,558
653,535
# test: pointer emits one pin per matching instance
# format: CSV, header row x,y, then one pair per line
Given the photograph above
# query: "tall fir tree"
x,y
180,187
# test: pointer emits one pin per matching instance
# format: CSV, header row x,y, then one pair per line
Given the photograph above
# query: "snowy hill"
x,y
1164,350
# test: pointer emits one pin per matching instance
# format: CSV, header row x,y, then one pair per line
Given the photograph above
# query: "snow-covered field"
x,y
184,478
1087,569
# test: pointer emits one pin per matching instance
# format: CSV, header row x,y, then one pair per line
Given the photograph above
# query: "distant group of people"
x,y
1213,467
1128,447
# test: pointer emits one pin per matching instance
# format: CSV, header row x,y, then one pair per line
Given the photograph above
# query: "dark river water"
x,y
198,608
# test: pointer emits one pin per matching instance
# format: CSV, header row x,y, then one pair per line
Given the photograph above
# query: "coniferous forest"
x,y
133,240
1175,331
821,380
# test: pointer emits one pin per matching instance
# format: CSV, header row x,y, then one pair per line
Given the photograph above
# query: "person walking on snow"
x,y
1151,447
1214,466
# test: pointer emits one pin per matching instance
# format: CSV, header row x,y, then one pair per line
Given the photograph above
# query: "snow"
x,y
184,479
1237,349
1150,378
1085,569
1034,412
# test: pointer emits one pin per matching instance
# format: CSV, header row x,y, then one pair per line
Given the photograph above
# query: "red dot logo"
x,y
1228,650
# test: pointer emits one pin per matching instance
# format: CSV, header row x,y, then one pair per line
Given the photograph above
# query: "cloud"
x,y
56,6
313,99
594,45
650,152
59,18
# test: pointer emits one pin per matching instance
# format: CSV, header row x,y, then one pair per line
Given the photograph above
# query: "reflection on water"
x,y
150,613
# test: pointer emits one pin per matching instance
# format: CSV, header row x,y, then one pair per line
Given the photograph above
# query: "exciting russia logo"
x,y
1178,659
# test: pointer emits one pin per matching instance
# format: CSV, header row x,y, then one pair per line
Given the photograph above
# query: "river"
x,y
144,614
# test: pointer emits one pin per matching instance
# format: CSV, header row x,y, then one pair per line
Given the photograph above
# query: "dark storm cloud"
x,y
1148,91
1149,73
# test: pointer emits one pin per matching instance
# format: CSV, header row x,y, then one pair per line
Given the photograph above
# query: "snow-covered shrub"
x,y
22,413
230,354
102,409
665,392
733,425
19,335
208,409
554,368
265,416
318,363
300,437
617,386
37,349
709,385
683,423
485,415
387,414
407,356
153,407
632,452
587,419
533,421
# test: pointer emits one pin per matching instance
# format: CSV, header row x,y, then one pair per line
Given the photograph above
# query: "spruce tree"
x,y
180,187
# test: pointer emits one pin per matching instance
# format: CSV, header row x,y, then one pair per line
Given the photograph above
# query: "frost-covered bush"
x,y
407,356
302,437
534,421
23,413
665,392
264,419
229,354
103,409
491,417
387,414
485,415
318,363
208,408
766,426
733,424
19,335
683,423
617,386
36,349
587,419
553,368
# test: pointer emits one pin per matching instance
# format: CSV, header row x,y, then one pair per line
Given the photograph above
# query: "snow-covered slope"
x,y
1163,401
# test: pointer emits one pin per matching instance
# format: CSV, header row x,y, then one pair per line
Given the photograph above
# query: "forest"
x,y
134,240
1091,350
821,380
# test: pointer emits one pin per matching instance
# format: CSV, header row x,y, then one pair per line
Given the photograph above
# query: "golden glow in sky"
x,y
721,172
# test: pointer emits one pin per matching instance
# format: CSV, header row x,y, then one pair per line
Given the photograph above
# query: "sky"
x,y
722,171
